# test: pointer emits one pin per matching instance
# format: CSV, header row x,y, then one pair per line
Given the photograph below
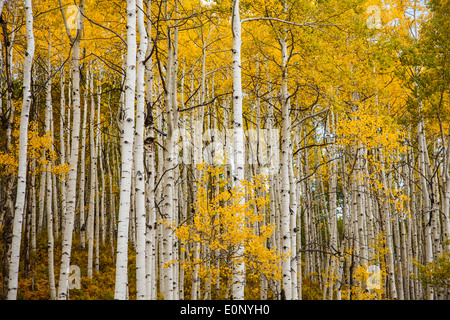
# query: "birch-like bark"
x,y
285,186
175,166
239,148
127,157
360,209
62,145
48,173
93,178
98,143
149,142
168,179
331,152
22,167
426,201
82,186
73,160
197,127
56,210
33,210
389,236
139,155
396,245
299,220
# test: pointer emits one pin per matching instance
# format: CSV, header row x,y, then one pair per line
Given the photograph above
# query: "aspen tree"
x,y
99,143
62,145
139,155
48,173
97,227
7,214
184,208
387,222
93,177
285,227
23,141
299,220
168,178
73,159
175,160
33,208
238,143
307,209
197,127
82,187
404,257
396,246
127,156
427,210
360,199
332,189
149,143
407,237
294,228
69,131
56,218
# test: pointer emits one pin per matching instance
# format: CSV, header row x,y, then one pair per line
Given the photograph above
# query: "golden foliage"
x,y
222,222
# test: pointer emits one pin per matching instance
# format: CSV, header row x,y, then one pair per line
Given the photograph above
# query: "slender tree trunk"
x,y
48,173
239,148
93,179
73,162
427,208
446,200
387,221
332,189
127,156
285,186
7,214
82,187
139,156
23,141
62,145
149,143
168,179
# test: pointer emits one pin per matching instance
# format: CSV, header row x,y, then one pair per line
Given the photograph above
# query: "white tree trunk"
x,y
127,156
238,282
139,155
426,200
168,180
73,163
93,179
22,167
388,229
62,146
82,186
285,186
332,196
150,245
48,173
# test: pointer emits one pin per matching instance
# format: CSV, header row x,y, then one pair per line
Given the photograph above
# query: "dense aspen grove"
x,y
212,150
